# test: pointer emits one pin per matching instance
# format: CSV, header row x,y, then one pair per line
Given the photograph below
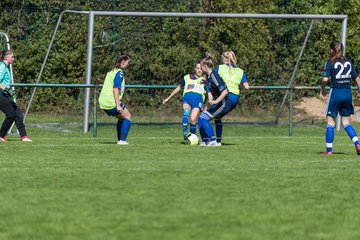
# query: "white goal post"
x,y
90,37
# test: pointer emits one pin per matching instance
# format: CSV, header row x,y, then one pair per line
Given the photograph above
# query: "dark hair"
x,y
120,58
336,51
208,60
4,53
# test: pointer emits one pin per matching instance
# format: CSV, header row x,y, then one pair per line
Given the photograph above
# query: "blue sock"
x,y
206,125
329,138
118,129
202,132
125,128
218,129
185,120
193,128
352,134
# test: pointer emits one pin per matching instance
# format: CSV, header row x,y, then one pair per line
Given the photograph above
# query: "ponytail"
x,y
230,57
120,58
336,51
208,60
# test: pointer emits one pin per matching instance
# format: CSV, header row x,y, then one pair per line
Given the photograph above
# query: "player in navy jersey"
x,y
218,99
340,70
193,98
234,78
7,103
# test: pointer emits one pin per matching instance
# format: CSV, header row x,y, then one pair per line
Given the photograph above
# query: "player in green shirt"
x,y
7,103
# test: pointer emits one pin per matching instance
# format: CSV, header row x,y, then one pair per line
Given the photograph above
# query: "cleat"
x,y
219,144
3,139
186,135
357,149
26,139
203,144
328,153
213,144
120,142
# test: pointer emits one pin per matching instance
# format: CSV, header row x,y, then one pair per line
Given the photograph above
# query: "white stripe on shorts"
x,y
327,103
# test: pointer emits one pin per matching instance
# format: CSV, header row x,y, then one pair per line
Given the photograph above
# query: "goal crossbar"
x,y
91,22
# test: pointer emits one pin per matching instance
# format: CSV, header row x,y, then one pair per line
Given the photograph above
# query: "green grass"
x,y
260,184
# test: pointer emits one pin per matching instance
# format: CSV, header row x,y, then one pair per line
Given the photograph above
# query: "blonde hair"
x,y
208,60
230,57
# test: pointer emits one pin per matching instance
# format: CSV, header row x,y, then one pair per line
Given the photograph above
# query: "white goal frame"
x,y
90,37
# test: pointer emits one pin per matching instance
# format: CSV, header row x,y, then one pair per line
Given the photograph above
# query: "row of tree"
x,y
165,49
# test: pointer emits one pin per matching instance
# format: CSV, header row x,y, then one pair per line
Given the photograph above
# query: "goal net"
x,y
273,51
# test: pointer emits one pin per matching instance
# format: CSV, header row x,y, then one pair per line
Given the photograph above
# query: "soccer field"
x,y
260,184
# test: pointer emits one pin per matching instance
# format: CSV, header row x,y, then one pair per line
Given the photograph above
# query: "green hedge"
x,y
165,49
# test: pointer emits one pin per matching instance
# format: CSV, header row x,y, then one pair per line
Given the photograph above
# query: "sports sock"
x,y
218,129
118,129
206,125
329,138
352,134
185,120
204,137
193,128
125,128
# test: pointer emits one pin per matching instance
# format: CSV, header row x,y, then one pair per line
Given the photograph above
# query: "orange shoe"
x,y
26,139
357,147
328,153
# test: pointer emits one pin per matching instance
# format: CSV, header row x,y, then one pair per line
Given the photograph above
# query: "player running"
x,y
341,71
193,99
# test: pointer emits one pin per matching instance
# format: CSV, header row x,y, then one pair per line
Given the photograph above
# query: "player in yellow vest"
x,y
111,94
234,77
193,98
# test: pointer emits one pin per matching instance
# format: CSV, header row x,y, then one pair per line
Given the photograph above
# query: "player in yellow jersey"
x,y
234,77
111,95
193,99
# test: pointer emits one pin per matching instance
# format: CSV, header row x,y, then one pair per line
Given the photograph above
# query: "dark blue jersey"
x,y
340,73
215,84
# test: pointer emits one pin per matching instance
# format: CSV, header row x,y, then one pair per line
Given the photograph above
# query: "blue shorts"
x,y
113,111
195,100
234,99
340,101
219,110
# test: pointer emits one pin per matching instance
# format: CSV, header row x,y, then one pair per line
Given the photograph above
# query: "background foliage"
x,y
165,49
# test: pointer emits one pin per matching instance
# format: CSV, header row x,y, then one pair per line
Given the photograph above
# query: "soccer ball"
x,y
192,140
